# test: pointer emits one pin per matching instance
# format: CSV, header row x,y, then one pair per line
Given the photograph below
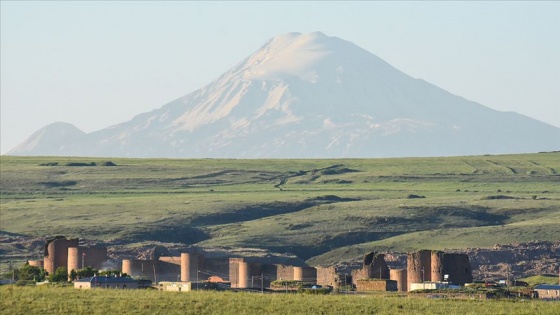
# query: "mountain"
x,y
312,96
57,139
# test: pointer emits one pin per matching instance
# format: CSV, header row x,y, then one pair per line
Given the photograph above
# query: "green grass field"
x,y
321,210
56,300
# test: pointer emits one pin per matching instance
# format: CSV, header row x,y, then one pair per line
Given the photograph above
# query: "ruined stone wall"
x,y
309,274
143,269
359,274
94,257
168,269
399,275
458,267
375,266
269,273
254,275
165,269
285,272
376,285
175,260
326,276
56,252
216,267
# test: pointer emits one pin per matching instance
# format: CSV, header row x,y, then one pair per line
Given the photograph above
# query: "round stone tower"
x,y
73,259
399,275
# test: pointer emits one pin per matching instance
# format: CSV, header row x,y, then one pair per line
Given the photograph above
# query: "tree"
x,y
112,273
59,275
28,272
82,273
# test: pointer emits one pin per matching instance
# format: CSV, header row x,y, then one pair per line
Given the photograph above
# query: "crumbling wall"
x,y
268,273
399,275
308,274
168,268
285,272
327,276
358,274
458,267
143,269
376,285
93,256
215,267
374,267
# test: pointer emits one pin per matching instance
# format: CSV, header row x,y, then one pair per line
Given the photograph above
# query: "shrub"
x,y
412,196
317,291
81,164
59,275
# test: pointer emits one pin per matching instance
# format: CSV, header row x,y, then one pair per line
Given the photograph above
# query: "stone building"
x,y
432,266
374,267
63,252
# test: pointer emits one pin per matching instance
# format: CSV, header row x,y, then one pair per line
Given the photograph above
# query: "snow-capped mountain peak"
x,y
312,95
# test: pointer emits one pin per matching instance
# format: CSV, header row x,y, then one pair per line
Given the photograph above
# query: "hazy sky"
x,y
96,64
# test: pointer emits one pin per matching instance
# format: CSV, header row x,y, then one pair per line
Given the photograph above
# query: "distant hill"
x,y
323,211
307,96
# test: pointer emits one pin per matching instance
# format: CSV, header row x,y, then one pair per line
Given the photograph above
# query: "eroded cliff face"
x,y
518,259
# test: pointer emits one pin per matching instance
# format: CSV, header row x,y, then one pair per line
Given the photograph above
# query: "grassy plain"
x,y
56,300
320,210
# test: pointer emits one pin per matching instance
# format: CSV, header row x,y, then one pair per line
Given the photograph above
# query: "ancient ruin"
x,y
433,266
424,266
63,252
374,267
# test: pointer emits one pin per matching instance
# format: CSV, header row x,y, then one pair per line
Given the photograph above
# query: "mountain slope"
x,y
311,95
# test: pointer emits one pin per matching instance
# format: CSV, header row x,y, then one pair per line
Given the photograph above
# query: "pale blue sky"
x,y
96,64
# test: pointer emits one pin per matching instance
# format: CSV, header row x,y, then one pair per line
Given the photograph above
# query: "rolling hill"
x,y
323,211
